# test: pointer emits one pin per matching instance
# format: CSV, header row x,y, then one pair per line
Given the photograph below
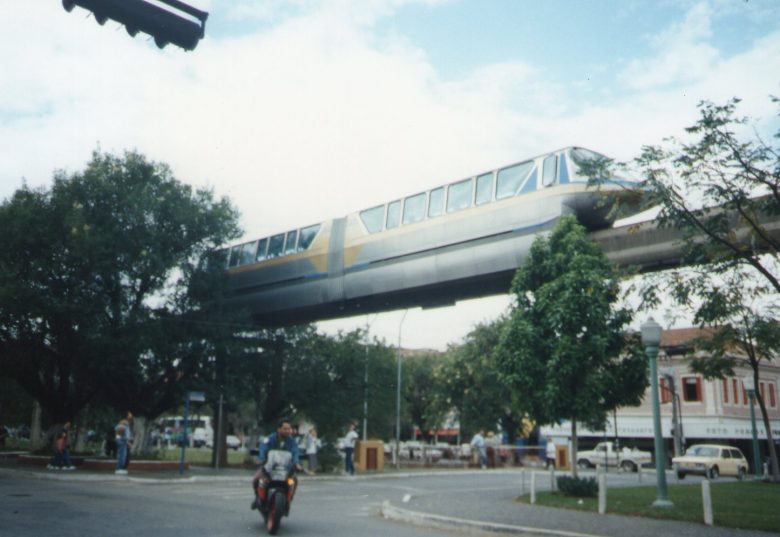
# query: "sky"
x,y
304,110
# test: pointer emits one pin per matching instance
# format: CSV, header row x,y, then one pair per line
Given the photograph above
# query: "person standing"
x,y
130,423
121,446
349,449
61,458
549,453
312,444
478,443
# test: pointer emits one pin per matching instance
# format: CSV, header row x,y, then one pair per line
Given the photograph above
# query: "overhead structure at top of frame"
x,y
165,26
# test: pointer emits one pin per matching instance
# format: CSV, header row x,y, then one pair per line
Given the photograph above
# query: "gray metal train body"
x,y
462,240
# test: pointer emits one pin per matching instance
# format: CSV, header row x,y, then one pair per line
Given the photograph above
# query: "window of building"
x,y
436,202
691,389
510,179
275,245
484,189
725,390
744,396
761,389
307,237
459,196
735,391
393,214
772,400
414,208
262,245
666,392
373,218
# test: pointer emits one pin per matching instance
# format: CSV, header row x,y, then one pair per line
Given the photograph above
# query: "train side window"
x,y
292,242
373,218
393,214
436,202
275,245
548,170
459,195
235,255
248,253
262,245
510,179
307,237
414,208
484,188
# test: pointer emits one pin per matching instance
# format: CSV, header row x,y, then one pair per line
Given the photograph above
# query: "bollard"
x,y
533,487
552,479
706,500
639,473
602,493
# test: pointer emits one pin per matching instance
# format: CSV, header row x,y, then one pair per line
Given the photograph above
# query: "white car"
x,y
711,460
232,442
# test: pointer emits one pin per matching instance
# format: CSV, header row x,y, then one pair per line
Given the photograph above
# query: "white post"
x,y
602,493
552,479
639,473
706,499
533,487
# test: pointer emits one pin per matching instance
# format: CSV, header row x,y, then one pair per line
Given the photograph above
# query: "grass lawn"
x,y
746,505
200,456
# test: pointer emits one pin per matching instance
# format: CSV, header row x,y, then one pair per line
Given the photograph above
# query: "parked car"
x,y
605,453
711,460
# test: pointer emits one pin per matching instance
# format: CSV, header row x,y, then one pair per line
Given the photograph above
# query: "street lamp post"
x,y
398,399
651,339
750,387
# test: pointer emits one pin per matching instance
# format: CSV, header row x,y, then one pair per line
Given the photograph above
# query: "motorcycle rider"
x,y
281,439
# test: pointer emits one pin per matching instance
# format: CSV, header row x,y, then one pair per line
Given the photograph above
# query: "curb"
x,y
391,512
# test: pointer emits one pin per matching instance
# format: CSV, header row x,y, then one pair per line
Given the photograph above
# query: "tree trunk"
x,y
574,448
35,427
140,435
774,471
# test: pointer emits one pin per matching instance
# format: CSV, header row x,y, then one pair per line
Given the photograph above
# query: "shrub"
x,y
328,458
579,487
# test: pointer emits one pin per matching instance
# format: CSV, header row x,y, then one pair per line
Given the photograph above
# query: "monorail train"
x,y
457,241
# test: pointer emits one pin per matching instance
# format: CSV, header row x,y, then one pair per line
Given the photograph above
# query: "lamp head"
x,y
749,383
651,333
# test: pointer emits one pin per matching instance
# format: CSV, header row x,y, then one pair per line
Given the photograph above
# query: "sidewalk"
x,y
503,515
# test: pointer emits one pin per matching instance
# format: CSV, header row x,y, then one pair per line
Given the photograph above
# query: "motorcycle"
x,y
276,497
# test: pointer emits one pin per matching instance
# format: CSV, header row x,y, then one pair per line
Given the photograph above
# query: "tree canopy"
x,y
564,353
720,187
101,285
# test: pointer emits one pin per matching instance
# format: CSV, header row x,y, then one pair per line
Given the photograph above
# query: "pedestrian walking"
x,y
349,449
312,445
122,432
61,458
478,443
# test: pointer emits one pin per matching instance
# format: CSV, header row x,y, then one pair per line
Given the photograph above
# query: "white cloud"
x,y
683,54
318,115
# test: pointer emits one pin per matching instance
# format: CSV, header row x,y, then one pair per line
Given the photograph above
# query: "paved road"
x,y
79,504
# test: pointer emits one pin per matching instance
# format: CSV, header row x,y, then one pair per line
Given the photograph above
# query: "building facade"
x,y
711,411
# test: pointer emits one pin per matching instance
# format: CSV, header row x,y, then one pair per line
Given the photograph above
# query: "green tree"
x,y
721,190
97,285
564,352
470,383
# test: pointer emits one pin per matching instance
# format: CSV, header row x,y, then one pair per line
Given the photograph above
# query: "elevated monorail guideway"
x,y
454,242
